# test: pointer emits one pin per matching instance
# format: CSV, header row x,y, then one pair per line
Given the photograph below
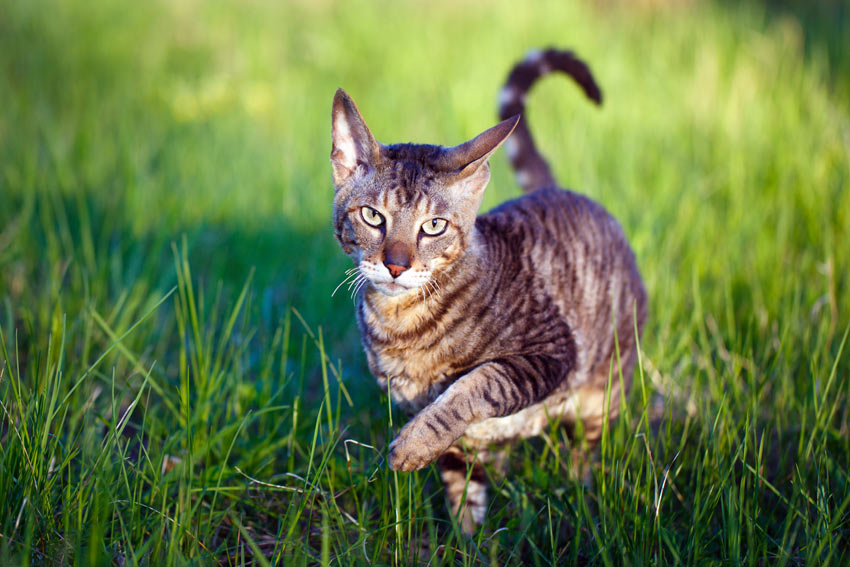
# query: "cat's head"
x,y
404,212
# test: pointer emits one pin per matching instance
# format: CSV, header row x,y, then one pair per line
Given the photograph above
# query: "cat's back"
x,y
551,222
573,251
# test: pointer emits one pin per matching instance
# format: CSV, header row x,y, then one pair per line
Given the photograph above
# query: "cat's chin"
x,y
392,289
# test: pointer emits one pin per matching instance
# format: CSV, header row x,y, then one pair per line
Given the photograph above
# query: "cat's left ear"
x,y
469,161
355,150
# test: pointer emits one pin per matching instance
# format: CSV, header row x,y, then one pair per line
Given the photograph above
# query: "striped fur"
x,y
501,324
532,171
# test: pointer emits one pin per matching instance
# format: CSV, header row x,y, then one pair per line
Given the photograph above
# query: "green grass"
x,y
179,387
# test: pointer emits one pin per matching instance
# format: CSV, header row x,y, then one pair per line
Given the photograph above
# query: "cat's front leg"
x,y
494,389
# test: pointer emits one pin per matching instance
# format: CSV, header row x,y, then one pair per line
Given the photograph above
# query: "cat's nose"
x,y
396,270
397,258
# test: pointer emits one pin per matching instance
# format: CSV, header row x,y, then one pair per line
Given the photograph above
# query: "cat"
x,y
486,328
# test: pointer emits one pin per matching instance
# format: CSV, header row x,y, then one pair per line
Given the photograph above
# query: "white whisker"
x,y
432,289
357,285
362,282
438,291
354,282
348,277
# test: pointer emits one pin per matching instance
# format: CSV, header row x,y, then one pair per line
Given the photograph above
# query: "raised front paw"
x,y
415,447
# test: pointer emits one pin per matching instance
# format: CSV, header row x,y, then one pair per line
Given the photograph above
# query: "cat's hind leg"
x,y
593,406
466,485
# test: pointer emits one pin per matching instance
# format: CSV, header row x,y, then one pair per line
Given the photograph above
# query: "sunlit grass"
x,y
179,387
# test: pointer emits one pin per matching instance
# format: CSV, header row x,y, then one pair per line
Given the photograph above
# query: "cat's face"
x,y
403,213
401,221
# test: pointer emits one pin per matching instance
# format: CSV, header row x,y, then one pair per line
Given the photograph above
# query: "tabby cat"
x,y
484,329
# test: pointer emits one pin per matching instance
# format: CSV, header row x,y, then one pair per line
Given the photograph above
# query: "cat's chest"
x,y
417,371
414,360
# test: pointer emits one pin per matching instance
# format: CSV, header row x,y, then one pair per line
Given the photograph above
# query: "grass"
x,y
179,387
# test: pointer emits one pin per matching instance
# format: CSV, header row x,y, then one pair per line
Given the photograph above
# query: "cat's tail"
x,y
532,171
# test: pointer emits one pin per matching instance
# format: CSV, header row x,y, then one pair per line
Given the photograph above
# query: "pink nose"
x,y
395,270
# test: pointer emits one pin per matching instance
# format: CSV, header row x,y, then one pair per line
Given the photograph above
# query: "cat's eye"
x,y
434,227
371,216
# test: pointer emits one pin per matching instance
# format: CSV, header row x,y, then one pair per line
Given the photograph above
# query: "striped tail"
x,y
532,171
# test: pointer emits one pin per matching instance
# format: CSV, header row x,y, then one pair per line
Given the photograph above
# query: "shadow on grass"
x,y
290,267
89,260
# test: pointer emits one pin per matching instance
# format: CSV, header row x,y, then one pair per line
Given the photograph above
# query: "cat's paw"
x,y
413,449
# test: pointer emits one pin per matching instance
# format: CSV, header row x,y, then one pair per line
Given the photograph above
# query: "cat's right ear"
x,y
355,151
470,159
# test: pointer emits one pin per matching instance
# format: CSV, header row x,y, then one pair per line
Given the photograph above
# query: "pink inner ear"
x,y
344,148
353,143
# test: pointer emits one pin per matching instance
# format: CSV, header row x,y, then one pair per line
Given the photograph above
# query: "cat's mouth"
x,y
409,281
392,288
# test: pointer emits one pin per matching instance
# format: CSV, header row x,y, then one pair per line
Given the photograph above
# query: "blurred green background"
x,y
134,133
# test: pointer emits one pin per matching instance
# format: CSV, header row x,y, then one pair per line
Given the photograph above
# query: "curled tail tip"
x,y
540,62
531,168
567,62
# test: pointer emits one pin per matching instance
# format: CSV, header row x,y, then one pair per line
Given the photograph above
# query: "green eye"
x,y
371,216
434,227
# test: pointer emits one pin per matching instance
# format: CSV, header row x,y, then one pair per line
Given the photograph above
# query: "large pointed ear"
x,y
355,150
469,157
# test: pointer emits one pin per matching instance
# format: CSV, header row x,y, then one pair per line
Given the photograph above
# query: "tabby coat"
x,y
484,329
